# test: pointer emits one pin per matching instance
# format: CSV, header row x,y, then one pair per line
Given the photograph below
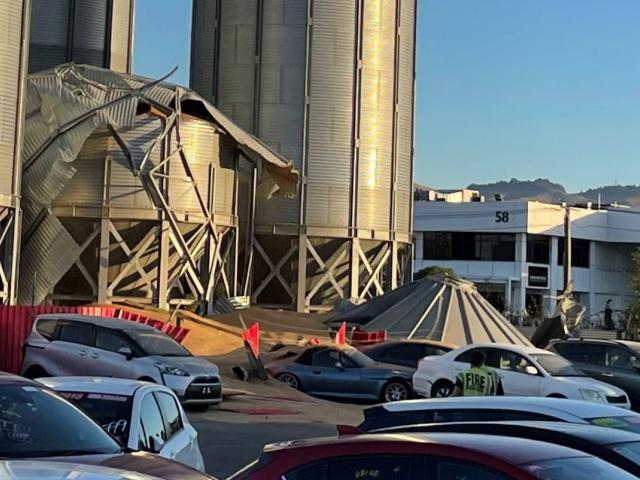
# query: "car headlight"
x,y
593,395
170,370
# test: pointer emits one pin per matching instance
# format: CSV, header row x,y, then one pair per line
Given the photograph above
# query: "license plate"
x,y
206,391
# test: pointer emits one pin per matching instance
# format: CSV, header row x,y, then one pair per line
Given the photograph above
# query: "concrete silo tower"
x,y
95,32
14,24
330,85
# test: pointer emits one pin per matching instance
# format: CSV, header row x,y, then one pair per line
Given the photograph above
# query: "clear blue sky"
x,y
505,88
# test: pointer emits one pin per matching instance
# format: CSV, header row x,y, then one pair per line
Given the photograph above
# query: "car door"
x,y
71,351
620,370
327,378
107,361
511,367
181,444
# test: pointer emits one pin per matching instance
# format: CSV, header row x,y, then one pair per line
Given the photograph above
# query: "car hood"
x,y
141,462
31,469
193,365
391,369
593,384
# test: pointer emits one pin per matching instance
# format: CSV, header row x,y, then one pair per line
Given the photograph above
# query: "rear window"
x,y
46,327
112,412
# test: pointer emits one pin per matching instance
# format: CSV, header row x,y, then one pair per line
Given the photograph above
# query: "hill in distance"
x,y
544,190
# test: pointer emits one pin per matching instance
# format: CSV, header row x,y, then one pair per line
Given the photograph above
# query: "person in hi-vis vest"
x,y
478,380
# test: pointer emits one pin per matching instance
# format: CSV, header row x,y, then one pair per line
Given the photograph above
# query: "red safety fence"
x,y
361,337
16,321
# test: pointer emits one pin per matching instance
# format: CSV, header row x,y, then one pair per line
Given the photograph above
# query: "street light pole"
x,y
567,247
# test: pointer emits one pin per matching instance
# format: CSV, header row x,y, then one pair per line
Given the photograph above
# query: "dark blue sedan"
x,y
344,372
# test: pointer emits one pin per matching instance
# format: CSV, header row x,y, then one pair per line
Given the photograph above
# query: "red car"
x,y
426,457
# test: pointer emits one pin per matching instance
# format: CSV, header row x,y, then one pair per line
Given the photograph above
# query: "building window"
x,y
538,249
579,252
469,246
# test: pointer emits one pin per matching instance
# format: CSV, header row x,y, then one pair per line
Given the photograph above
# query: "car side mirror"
x,y
531,370
155,444
339,366
126,351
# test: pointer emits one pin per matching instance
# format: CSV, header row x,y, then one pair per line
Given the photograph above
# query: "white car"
x,y
142,415
524,371
494,409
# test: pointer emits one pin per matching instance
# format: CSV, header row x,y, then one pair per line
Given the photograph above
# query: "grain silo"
x,y
93,32
14,24
130,191
330,85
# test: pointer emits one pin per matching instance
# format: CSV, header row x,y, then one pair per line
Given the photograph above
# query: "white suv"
x,y
525,371
70,345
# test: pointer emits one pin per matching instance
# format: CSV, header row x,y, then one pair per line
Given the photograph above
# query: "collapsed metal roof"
x,y
435,308
65,106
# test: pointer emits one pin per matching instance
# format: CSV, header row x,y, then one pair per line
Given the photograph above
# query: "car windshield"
x,y
36,423
556,366
113,412
630,423
358,357
157,343
579,467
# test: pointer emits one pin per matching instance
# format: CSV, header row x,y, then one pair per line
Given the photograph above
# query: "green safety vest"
x,y
478,382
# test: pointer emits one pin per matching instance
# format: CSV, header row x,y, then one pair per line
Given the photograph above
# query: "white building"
x,y
513,251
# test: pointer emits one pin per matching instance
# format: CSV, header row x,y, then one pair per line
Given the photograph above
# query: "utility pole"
x,y
567,247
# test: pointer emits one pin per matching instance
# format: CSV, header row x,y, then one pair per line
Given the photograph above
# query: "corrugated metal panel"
x,y
225,175
405,114
49,34
90,32
200,143
376,114
121,36
10,59
203,51
281,111
45,258
237,61
330,145
126,190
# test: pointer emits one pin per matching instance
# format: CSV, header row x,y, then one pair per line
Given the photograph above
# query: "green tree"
x,y
435,271
634,306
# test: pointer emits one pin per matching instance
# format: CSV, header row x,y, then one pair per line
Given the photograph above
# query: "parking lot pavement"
x,y
234,434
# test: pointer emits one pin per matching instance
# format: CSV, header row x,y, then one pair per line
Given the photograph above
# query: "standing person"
x,y
478,380
608,316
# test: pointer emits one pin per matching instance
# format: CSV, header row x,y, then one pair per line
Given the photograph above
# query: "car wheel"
x,y
290,380
442,389
36,372
395,391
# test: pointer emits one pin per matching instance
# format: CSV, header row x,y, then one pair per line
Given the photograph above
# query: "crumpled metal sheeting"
x,y
160,94
47,177
120,114
45,259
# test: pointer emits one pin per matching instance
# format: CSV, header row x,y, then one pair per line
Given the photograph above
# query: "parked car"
x,y
67,345
44,469
617,447
343,372
495,409
406,353
613,361
438,456
525,371
37,424
133,411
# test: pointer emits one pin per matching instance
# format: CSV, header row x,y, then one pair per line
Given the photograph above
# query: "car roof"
x,y
603,341
11,379
107,322
508,346
577,408
513,450
116,386
29,469
592,433
423,341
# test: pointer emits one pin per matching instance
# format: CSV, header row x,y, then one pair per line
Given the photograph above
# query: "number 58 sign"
x,y
502,217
